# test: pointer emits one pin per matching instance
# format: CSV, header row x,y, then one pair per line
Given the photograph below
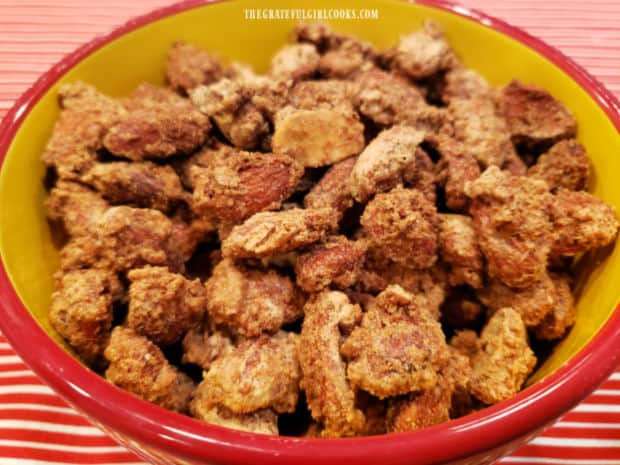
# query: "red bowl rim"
x,y
181,436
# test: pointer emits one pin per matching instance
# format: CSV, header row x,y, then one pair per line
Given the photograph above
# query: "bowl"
x,y
135,52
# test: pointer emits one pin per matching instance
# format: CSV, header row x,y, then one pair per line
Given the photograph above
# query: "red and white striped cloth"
x,y
37,427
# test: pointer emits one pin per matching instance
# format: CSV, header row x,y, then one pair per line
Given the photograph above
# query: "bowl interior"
x,y
25,243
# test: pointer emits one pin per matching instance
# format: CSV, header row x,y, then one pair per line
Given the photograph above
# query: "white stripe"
x,y
16,374
575,442
554,461
39,408
585,424
7,461
50,427
61,447
26,389
5,345
597,408
10,359
615,377
607,392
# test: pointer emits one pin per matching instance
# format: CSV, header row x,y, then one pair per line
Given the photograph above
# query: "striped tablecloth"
x,y
37,427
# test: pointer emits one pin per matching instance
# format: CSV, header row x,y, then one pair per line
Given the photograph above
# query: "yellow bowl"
x,y
136,53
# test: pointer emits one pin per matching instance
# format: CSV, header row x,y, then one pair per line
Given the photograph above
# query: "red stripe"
x,y
60,418
593,417
579,453
67,457
49,437
611,384
44,399
13,366
583,433
603,399
6,351
30,378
